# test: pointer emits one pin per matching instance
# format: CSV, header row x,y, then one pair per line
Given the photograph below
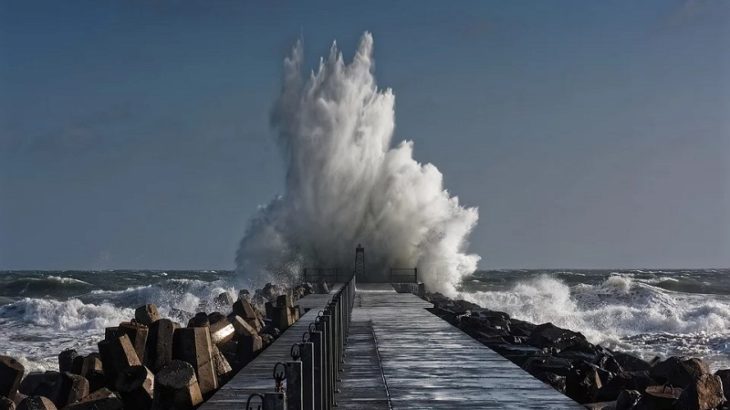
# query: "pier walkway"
x,y
400,356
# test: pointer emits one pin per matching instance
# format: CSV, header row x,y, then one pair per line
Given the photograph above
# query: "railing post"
x,y
294,386
306,355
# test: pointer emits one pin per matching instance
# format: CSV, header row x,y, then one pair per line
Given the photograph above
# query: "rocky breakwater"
x,y
152,362
588,373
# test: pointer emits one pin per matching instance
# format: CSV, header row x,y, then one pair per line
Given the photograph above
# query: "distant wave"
x,y
615,310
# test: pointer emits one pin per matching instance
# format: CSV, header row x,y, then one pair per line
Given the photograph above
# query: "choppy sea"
x,y
647,312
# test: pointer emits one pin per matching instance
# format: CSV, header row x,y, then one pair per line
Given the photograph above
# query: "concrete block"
x,y
176,387
6,403
199,320
101,399
241,327
249,347
222,331
135,384
66,360
147,314
223,369
93,371
116,355
11,373
158,351
284,300
36,403
281,317
71,389
243,308
41,384
224,300
193,345
215,317
137,333
111,333
294,312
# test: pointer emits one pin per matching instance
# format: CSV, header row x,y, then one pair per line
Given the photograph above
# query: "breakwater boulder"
x,y
589,373
152,362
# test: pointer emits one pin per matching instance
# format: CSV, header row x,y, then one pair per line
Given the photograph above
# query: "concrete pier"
x,y
400,356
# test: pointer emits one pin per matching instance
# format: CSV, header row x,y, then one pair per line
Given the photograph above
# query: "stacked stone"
x,y
589,374
153,362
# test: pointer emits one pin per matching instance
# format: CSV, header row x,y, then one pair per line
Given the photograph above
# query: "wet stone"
x,y
135,385
627,399
176,387
705,393
678,371
147,314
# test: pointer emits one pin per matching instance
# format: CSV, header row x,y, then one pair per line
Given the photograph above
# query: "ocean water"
x,y
646,312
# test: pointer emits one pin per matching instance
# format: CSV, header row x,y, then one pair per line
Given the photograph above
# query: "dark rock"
x,y
199,320
603,405
176,387
678,371
609,363
521,328
36,403
71,389
630,362
101,399
158,351
704,393
135,385
11,373
627,399
725,378
583,382
554,380
549,335
541,364
147,314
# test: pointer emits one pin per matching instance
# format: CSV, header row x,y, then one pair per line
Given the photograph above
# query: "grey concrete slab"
x,y
400,356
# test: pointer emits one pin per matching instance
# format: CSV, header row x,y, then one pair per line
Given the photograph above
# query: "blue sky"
x,y
589,133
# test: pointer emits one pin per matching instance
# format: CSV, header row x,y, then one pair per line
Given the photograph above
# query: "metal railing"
x,y
309,381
